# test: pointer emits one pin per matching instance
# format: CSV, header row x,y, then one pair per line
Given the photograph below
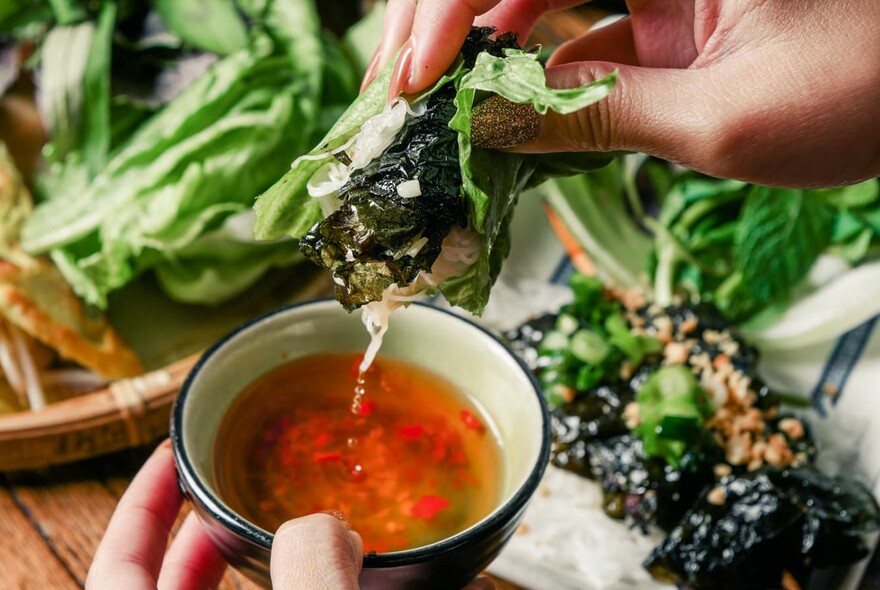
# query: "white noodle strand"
x,y
460,249
10,366
35,395
374,137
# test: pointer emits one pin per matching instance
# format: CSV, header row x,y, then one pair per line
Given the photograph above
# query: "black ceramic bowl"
x,y
466,354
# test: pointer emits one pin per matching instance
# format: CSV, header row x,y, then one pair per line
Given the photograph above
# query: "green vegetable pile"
x,y
167,118
747,249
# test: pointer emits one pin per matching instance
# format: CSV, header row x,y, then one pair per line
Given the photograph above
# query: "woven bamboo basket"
x,y
127,413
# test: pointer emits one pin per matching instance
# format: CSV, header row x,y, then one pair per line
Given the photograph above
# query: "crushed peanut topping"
x,y
717,496
632,299
745,432
689,326
631,415
792,427
627,369
675,353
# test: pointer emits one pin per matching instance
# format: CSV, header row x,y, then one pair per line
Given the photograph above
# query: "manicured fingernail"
x,y
497,123
372,69
340,516
402,71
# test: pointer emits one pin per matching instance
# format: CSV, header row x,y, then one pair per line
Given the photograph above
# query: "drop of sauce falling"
x,y
359,391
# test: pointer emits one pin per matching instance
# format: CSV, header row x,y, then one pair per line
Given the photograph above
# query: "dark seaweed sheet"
x,y
745,542
771,521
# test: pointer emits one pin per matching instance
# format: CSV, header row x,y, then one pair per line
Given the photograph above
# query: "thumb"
x,y
659,111
316,552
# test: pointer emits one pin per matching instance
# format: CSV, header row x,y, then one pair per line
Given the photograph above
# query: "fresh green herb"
x,y
672,409
747,249
779,236
589,343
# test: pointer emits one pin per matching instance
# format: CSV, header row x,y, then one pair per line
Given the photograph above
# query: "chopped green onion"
x,y
589,346
553,341
567,324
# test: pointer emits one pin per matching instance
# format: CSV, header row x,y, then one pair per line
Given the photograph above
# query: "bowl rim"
x,y
198,492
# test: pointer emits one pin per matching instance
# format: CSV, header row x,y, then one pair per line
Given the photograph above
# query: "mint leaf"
x,y
780,235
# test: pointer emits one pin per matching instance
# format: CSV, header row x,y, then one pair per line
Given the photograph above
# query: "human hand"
x,y
132,553
315,552
768,91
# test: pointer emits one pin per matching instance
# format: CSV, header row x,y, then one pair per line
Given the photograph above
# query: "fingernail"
x,y
165,444
340,516
402,71
497,123
372,69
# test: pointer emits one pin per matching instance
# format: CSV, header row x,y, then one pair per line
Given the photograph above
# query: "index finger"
x,y
440,27
131,552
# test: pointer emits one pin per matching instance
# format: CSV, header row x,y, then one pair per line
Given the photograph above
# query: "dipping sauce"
x,y
417,464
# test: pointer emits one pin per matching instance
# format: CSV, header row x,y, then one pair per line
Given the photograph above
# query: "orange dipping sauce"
x,y
417,464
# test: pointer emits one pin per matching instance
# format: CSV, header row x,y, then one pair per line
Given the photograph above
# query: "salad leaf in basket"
x,y
145,180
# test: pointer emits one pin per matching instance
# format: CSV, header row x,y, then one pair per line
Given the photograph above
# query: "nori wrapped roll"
x,y
382,236
376,201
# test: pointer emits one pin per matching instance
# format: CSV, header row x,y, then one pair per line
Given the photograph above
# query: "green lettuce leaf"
x,y
75,90
592,208
211,25
223,263
519,77
166,191
492,181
